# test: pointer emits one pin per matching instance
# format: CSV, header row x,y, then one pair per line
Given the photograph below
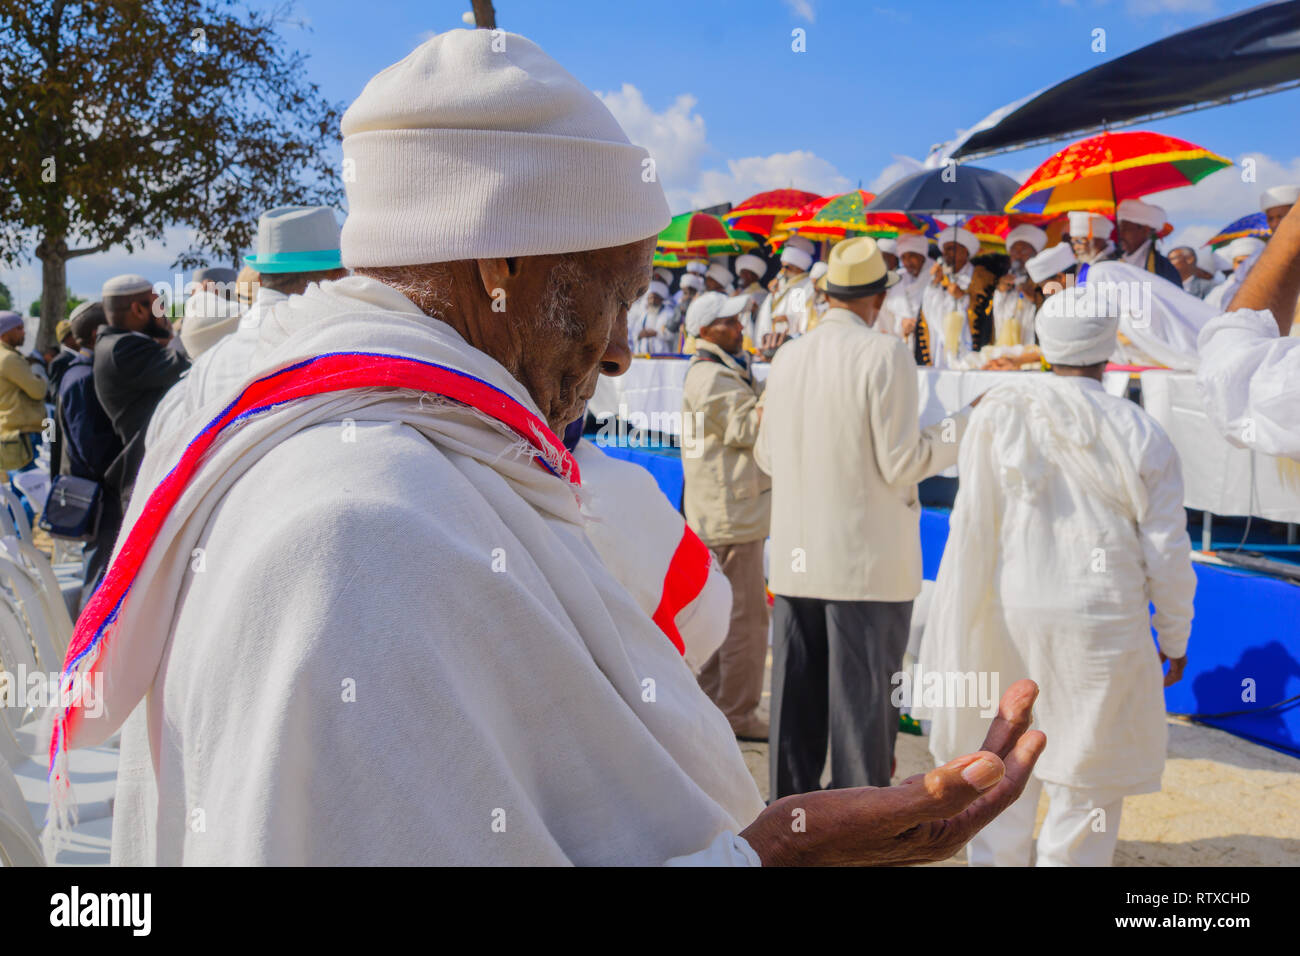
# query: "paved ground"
x,y
1225,801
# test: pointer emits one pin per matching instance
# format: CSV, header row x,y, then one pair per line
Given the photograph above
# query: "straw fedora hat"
x,y
856,269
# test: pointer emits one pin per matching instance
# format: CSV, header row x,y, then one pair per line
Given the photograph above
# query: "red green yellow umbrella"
x,y
1097,173
699,235
762,213
844,216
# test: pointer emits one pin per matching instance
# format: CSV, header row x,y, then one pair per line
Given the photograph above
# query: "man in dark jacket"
x,y
1137,225
132,371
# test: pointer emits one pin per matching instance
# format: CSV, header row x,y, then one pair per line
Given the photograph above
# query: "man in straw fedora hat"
x,y
841,439
423,658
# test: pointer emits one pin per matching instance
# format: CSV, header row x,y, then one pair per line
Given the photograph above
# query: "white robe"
x,y
1014,305
1161,320
1220,297
1250,380
903,301
791,302
1068,522
937,302
512,702
639,317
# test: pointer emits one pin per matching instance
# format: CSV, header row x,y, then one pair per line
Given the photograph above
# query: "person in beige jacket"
x,y
841,439
22,397
727,499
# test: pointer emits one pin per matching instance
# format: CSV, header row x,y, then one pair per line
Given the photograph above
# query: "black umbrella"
x,y
967,190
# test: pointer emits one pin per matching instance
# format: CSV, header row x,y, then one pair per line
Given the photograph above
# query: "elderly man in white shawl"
x,y
1069,522
355,610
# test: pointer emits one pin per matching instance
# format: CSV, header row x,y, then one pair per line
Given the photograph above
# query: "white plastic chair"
x,y
16,514
42,575
19,843
32,611
18,657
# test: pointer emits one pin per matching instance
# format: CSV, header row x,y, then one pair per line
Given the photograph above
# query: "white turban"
x,y
1076,327
659,289
664,275
818,270
1049,262
887,245
1030,234
799,242
1279,196
1144,214
1090,224
962,236
719,274
708,307
753,263
692,282
696,267
478,145
792,255
1245,246
1209,260
913,242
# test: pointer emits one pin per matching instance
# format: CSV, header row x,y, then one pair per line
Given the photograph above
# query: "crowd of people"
x,y
450,630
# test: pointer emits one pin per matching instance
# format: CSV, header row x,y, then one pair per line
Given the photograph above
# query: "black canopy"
x,y
1236,57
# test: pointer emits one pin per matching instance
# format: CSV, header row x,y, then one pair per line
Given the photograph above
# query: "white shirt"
x,y
937,303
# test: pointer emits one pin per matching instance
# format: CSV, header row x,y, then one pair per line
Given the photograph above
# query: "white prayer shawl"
x,y
1069,520
1160,319
1014,305
1250,379
937,303
373,630
641,316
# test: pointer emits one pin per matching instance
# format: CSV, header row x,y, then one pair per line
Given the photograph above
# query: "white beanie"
x,y
1050,262
208,319
913,242
1030,234
751,262
1076,327
792,255
719,274
479,145
708,307
1144,214
691,281
1089,224
696,267
963,237
1279,196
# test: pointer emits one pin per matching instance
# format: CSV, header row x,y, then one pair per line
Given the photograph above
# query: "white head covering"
x,y
800,242
887,245
1135,210
792,255
1050,261
479,145
719,274
751,262
1085,224
708,307
208,319
1245,246
818,270
665,276
1076,327
691,281
913,242
1030,234
962,236
697,268
1209,260
659,289
1279,196
125,285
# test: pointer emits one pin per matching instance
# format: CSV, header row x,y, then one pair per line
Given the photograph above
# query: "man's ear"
x,y
497,273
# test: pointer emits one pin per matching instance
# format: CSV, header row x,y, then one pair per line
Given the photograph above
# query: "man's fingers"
x,y
1015,712
948,790
1019,764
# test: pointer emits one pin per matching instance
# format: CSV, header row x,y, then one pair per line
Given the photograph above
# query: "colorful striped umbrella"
x,y
1255,225
761,214
1096,173
699,235
844,216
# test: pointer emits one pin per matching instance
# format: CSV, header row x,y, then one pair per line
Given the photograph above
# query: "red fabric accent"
x,y
687,573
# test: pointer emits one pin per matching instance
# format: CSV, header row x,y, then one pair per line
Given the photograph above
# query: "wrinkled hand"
x,y
926,818
1176,665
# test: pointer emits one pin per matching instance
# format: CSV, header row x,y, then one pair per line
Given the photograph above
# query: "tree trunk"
x,y
54,292
485,18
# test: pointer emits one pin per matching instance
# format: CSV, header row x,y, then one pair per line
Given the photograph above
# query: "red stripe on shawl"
x,y
687,573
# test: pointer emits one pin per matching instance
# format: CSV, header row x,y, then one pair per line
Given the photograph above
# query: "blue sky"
x,y
714,90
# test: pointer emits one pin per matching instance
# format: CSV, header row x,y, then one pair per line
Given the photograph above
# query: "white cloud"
x,y
677,138
1200,211
802,9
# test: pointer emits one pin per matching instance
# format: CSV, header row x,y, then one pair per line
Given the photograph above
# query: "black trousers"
x,y
832,665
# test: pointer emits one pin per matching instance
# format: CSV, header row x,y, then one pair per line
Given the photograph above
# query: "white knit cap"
x,y
696,267
1245,246
913,242
1049,262
719,274
1076,326
1085,224
691,281
962,236
1143,213
208,319
1030,234
753,263
1279,196
708,307
478,145
125,285
792,255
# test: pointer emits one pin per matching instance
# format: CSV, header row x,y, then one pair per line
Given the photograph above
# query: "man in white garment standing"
x,y
1275,203
423,658
902,308
750,270
1249,374
1068,524
296,246
649,323
782,314
1013,308
841,439
946,302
